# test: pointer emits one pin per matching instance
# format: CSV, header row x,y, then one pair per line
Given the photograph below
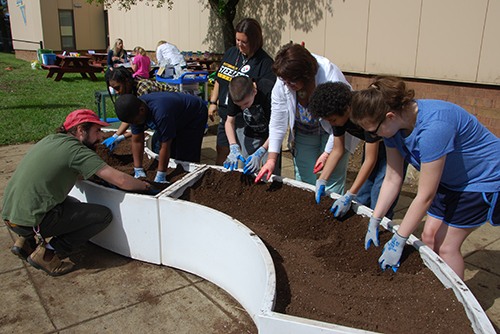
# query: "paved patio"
x,y
111,293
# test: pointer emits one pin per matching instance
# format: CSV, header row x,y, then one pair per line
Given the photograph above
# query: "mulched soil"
x,y
323,271
121,158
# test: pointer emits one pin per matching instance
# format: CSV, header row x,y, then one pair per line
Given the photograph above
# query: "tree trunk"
x,y
226,12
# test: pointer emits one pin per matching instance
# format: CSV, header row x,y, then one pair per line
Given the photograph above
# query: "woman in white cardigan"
x,y
310,140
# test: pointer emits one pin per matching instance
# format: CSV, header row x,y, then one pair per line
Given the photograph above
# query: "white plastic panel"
x,y
213,245
218,248
277,323
134,231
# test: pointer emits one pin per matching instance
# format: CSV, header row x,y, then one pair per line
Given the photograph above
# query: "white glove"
x,y
252,164
320,189
372,233
231,162
342,205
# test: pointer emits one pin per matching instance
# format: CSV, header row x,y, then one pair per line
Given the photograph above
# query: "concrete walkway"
x,y
108,293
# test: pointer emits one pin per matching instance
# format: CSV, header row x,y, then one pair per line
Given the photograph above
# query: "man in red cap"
x,y
36,200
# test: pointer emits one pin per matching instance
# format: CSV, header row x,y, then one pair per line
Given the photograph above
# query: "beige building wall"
x,y
27,27
42,24
90,33
449,46
452,40
185,26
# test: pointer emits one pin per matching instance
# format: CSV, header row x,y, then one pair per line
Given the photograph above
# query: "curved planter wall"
x,y
164,230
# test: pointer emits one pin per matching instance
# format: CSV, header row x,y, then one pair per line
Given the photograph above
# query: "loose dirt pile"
x,y
323,271
121,158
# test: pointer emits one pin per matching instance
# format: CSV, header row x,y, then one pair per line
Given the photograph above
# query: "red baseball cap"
x,y
82,116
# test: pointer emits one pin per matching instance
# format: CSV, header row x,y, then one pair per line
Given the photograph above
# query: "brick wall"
x,y
25,55
482,101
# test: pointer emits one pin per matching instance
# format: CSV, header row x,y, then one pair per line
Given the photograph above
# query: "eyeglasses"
x,y
290,83
374,133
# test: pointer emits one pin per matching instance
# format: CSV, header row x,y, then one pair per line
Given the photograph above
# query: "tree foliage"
x,y
126,4
225,10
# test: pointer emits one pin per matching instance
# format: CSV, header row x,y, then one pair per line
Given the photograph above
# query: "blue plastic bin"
x,y
49,58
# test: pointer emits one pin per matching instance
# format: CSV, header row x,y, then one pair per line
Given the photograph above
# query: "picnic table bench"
x,y
70,64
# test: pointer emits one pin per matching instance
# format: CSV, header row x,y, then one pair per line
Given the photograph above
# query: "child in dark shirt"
x,y
252,98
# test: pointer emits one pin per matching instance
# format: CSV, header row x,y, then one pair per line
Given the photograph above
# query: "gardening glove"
x,y
320,189
149,189
268,169
113,141
252,164
320,163
342,205
372,233
139,172
231,162
161,177
393,250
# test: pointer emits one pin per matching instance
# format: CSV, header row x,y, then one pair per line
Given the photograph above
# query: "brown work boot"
x,y
54,266
23,247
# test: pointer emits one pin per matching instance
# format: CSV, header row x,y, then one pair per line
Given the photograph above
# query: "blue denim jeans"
x,y
368,194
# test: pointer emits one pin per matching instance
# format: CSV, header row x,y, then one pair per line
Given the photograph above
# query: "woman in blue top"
x,y
458,162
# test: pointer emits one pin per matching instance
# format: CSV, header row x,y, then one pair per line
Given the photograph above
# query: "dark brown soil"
x,y
323,271
121,158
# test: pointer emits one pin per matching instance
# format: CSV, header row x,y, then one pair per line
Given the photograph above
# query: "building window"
x,y
67,30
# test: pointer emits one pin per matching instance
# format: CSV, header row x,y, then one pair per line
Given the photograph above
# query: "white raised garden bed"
x,y
210,244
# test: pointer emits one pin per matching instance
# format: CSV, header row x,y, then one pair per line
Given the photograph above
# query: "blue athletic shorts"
x,y
465,209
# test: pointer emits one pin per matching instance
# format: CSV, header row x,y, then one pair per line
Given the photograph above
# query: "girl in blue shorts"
x,y
457,158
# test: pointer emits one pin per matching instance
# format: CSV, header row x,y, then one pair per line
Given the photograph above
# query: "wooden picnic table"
x,y
128,66
99,58
69,64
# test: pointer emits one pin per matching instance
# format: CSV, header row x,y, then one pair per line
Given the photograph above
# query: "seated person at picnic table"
x,y
36,200
331,101
141,66
252,98
117,55
179,122
121,81
459,166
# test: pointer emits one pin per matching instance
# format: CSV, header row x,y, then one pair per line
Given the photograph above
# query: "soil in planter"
x,y
121,158
323,271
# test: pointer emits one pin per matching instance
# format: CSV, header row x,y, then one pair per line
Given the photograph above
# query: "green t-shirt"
x,y
45,176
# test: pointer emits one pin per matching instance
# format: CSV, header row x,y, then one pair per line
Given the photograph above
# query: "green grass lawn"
x,y
33,106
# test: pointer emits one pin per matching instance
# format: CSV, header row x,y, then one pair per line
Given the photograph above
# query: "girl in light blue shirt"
x,y
458,162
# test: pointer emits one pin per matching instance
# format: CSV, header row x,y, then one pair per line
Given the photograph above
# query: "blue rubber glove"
x,y
342,205
231,162
372,233
161,177
252,164
393,250
113,141
139,172
320,189
149,189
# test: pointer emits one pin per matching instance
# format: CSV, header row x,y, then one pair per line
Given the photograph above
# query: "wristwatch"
x,y
212,102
